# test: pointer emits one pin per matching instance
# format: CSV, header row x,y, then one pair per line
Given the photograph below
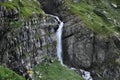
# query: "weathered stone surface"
x,y
23,47
78,43
84,49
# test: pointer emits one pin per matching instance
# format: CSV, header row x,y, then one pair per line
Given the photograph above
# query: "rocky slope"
x,y
22,46
82,48
90,38
27,39
87,48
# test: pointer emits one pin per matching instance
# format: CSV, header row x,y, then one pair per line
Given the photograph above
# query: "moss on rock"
x,y
25,9
99,15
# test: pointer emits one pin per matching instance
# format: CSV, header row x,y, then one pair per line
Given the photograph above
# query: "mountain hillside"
x,y
88,39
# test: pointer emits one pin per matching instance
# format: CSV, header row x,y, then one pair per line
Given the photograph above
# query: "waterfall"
x,y
85,74
59,38
59,42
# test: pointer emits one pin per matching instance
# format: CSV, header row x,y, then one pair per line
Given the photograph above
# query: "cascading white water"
x,y
85,74
59,42
59,38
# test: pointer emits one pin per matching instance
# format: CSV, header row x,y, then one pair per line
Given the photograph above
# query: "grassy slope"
x,y
6,74
24,8
56,71
96,13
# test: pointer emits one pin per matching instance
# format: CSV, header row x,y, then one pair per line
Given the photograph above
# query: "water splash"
x,y
86,75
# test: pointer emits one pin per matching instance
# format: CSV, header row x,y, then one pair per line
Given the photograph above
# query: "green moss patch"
x,y
7,74
98,15
55,71
25,8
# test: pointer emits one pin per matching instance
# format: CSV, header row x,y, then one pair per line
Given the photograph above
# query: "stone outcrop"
x,y
24,45
82,48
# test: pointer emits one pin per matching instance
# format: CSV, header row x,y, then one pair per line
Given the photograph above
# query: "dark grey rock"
x,y
23,47
84,49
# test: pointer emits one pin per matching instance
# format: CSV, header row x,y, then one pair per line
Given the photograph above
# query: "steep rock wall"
x,y
24,45
83,48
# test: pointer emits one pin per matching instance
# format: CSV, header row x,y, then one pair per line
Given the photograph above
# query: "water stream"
x,y
86,75
59,43
59,36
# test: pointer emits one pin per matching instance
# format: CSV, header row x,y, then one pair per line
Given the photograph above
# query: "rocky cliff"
x,y
87,48
25,43
90,37
82,48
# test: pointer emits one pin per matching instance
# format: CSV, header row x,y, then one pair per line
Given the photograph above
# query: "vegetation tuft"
x,y
55,71
7,74
25,8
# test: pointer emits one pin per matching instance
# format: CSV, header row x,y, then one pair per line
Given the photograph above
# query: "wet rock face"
x,y
23,47
77,43
49,6
84,49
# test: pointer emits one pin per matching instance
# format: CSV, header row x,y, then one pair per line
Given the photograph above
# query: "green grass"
x,y
92,13
25,8
7,74
55,71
